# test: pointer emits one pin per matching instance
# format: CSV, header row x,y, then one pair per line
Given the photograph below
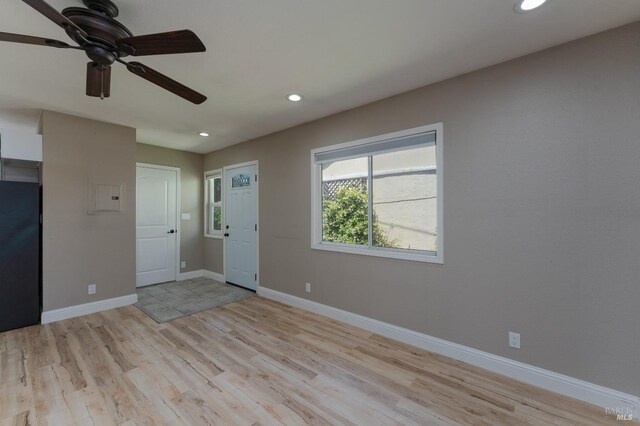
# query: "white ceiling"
x,y
338,53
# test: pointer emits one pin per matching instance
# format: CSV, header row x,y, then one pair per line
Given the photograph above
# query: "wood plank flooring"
x,y
247,363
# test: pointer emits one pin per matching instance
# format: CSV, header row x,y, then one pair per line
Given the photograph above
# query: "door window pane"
x,y
240,181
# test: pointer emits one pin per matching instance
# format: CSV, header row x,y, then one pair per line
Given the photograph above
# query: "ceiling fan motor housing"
x,y
104,7
100,55
101,29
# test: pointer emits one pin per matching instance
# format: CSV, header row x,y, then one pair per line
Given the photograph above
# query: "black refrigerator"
x,y
20,287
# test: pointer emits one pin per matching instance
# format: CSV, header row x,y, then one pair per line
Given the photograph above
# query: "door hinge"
x,y
256,226
256,178
256,277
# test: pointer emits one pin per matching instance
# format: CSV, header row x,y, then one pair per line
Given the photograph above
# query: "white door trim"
x,y
178,208
224,209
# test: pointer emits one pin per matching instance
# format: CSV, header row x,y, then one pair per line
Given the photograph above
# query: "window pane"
x,y
217,218
217,189
345,201
405,199
211,189
210,219
213,197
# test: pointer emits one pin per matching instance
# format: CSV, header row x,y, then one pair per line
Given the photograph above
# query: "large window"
x,y
213,204
380,196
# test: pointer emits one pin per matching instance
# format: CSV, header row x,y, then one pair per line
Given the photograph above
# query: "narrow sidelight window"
x,y
213,204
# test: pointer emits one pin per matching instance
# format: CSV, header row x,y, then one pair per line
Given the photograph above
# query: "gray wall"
x,y
191,197
78,248
541,207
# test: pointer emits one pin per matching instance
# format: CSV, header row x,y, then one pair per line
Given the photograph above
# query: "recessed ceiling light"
x,y
527,5
204,134
294,97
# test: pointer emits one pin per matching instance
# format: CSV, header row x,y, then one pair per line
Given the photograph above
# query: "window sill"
x,y
391,254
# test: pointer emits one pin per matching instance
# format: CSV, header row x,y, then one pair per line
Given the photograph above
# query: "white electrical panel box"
x,y
106,199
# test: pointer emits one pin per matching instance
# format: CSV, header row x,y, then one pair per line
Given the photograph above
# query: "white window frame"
x,y
212,174
316,202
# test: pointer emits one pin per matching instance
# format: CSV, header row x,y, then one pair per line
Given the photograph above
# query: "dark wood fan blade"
x,y
26,39
166,83
98,80
47,10
184,41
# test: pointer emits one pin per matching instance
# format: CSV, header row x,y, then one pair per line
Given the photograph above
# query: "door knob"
x,y
173,231
226,234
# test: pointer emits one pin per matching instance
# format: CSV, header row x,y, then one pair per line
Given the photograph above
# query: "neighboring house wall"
x,y
541,211
80,249
191,198
406,209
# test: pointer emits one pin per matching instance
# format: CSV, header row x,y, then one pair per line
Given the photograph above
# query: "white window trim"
x,y
208,174
316,202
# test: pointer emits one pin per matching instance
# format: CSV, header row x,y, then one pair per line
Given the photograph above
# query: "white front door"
x,y
241,225
156,230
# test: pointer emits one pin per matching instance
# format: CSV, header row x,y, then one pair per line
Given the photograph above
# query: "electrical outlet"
x,y
91,289
514,340
183,264
307,287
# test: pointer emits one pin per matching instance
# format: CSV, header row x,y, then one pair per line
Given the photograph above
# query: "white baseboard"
x,y
200,273
214,276
555,382
182,276
87,308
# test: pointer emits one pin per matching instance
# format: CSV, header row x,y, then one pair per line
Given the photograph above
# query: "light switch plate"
x,y
185,216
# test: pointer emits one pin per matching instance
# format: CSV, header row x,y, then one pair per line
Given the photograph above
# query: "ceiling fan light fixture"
x,y
294,97
523,6
204,134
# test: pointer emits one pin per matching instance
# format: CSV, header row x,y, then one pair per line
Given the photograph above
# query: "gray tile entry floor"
x,y
168,301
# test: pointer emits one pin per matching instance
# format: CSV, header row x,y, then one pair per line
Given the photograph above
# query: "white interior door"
x,y
156,225
241,225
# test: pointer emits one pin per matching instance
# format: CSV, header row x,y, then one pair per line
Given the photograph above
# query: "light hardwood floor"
x,y
251,362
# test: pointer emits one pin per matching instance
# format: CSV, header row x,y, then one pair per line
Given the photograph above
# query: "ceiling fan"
x,y
105,41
